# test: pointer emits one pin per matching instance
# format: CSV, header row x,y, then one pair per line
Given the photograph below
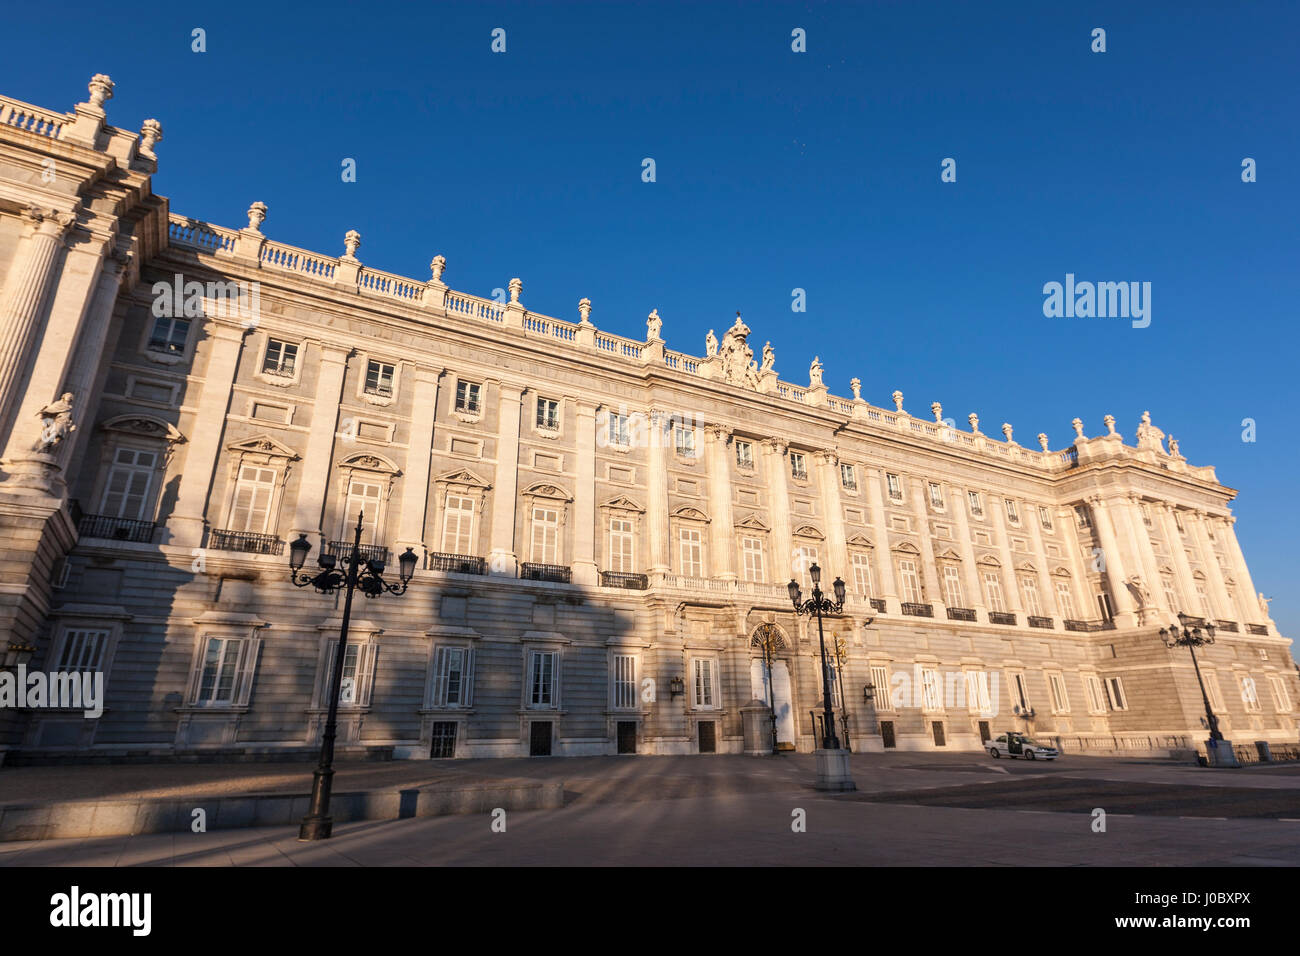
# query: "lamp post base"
x,y
315,827
833,770
1219,753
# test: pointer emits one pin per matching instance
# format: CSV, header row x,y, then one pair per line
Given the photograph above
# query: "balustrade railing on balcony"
x,y
545,572
1089,626
878,604
220,539
342,550
115,529
1001,617
960,614
621,579
918,610
1227,626
1036,621
455,563
1260,629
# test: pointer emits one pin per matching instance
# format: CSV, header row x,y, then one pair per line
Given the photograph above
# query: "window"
x,y
744,454
807,557
976,504
848,477
620,545
219,671
1212,691
751,555
1060,700
468,397
1146,513
861,563
624,681
881,695
1281,699
931,697
1013,512
912,593
702,683
1115,694
1096,700
1065,599
83,650
1029,591
993,590
1105,607
358,671
1249,694
363,498
548,413
952,586
251,508
458,525
546,536
169,335
379,378
541,678
1171,593
1045,517
1019,691
895,486
684,441
798,465
281,358
692,552
1204,600
977,692
936,496
1081,515
127,490
453,677
1263,653
619,431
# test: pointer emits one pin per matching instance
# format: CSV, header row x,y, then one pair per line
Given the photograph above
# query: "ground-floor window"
x,y
444,739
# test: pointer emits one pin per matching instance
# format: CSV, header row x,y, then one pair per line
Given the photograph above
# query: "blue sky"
x,y
778,170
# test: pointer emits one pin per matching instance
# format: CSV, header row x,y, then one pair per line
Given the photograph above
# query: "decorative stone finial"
x,y
436,266
351,242
1077,425
1109,421
516,286
150,133
974,422
652,325
256,216
101,89
584,310
1007,432
898,400
1042,440
938,411
855,385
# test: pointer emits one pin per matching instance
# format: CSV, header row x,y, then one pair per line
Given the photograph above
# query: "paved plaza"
x,y
910,809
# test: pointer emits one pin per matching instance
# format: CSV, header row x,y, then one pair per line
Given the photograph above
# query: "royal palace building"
x,y
604,527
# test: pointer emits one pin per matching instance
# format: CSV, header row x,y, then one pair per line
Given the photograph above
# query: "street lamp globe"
x,y
793,589
816,574
406,562
298,551
838,588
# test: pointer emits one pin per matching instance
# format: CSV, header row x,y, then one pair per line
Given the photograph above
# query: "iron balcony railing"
x,y
960,614
456,563
1260,629
620,579
1227,626
115,529
878,604
1002,617
367,552
1089,626
220,539
1036,621
545,572
918,610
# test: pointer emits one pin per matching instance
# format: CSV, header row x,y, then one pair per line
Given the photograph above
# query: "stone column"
x,y
656,509
415,481
1069,521
1247,596
837,543
1041,560
1178,554
1129,512
1213,573
309,510
722,534
879,523
584,499
25,289
502,559
970,570
778,463
1114,563
1009,583
929,566
188,518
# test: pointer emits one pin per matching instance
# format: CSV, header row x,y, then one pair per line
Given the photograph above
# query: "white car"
x,y
1018,745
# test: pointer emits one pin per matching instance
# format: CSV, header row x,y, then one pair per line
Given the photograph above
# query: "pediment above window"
x,y
143,426
690,514
753,523
907,547
623,503
808,531
463,478
553,492
861,540
263,445
370,462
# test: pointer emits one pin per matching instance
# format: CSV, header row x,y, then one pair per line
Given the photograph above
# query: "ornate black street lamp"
x,y
1192,638
818,604
318,825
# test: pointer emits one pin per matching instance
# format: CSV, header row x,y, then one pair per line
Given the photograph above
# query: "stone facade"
x,y
604,526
